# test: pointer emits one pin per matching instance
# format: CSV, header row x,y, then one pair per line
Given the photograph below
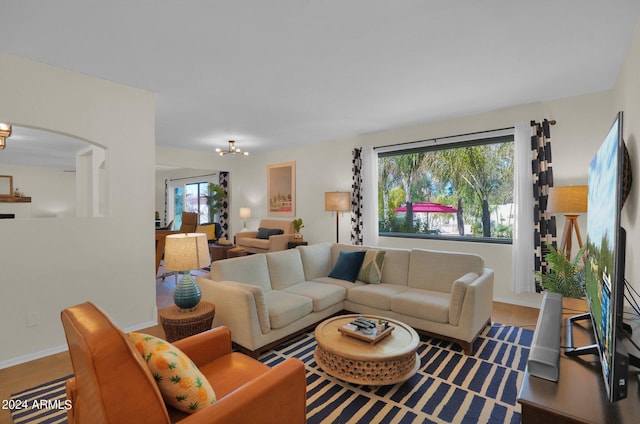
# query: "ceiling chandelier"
x,y
233,150
5,132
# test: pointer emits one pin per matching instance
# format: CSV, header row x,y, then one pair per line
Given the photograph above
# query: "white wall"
x,y
52,192
627,99
49,264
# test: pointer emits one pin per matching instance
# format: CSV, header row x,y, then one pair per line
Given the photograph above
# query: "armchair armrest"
x,y
204,347
277,396
279,242
246,234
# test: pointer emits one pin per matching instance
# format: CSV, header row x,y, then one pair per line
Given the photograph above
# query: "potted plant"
x,y
297,226
215,200
565,276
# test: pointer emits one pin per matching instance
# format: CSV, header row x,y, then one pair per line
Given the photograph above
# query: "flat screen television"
x,y
609,184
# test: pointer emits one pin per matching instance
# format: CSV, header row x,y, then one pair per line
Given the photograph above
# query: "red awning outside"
x,y
428,207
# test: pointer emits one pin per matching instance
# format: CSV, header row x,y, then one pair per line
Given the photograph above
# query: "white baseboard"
x,y
32,356
62,348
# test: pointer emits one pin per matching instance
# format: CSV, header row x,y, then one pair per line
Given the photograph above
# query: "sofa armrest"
x,y
478,304
458,292
238,306
204,347
277,396
279,242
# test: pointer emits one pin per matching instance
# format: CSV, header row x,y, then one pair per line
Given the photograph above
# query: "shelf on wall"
x,y
15,199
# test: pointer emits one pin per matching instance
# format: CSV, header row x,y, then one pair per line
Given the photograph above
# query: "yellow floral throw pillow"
x,y
182,385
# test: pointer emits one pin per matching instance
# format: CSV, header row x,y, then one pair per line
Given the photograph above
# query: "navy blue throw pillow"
x,y
265,233
348,266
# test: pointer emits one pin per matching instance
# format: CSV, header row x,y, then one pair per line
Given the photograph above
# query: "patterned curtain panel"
x,y
544,222
224,213
356,197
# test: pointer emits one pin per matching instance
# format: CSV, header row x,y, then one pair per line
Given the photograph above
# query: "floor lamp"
x,y
570,200
337,201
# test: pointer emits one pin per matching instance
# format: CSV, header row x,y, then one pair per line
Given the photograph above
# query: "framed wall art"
x,y
281,189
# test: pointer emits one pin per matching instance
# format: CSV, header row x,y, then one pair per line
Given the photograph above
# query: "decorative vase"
x,y
187,293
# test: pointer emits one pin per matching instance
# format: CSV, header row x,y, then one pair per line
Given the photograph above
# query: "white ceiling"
x,y
273,74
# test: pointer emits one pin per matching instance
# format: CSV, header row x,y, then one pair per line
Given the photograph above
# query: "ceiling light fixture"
x,y
233,150
5,132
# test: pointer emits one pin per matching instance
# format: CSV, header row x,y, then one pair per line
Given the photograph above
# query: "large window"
x,y
461,191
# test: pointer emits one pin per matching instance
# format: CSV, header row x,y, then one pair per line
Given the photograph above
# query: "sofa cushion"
x,y
348,266
316,260
285,268
285,308
433,270
371,269
396,266
265,233
181,383
424,304
375,295
458,290
247,269
348,285
322,295
336,248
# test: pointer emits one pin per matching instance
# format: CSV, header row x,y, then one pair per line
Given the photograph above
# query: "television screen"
x,y
605,255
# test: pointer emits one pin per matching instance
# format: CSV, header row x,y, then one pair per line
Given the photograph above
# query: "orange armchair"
x,y
112,383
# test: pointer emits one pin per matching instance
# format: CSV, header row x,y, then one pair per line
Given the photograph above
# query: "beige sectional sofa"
x,y
267,298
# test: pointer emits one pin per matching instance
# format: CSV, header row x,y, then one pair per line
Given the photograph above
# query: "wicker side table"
x,y
178,325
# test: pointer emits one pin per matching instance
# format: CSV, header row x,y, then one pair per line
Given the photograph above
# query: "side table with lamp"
x,y
189,316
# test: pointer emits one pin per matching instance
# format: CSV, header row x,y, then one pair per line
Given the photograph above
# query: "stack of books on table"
x,y
366,329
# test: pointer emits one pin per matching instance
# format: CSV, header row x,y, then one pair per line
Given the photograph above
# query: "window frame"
x,y
505,135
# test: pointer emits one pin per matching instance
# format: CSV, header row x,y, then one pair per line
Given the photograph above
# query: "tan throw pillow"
x,y
371,269
181,383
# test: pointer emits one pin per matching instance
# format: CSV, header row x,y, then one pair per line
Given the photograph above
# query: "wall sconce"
x,y
337,201
570,200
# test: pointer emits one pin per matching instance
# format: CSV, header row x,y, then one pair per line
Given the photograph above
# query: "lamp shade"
x,y
245,212
337,201
567,199
184,252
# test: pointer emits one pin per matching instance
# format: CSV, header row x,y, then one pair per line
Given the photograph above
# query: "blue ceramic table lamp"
x,y
183,253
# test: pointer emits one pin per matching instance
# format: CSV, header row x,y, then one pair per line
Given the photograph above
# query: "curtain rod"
x,y
188,178
435,140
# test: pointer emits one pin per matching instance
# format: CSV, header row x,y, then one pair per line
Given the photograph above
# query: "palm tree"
x,y
409,168
386,181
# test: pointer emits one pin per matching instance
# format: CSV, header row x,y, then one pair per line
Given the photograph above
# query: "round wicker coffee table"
x,y
391,360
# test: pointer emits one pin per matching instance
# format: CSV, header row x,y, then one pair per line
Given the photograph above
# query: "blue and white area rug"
x,y
449,387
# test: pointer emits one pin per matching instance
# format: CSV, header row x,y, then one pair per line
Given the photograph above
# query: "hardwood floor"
x,y
30,374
